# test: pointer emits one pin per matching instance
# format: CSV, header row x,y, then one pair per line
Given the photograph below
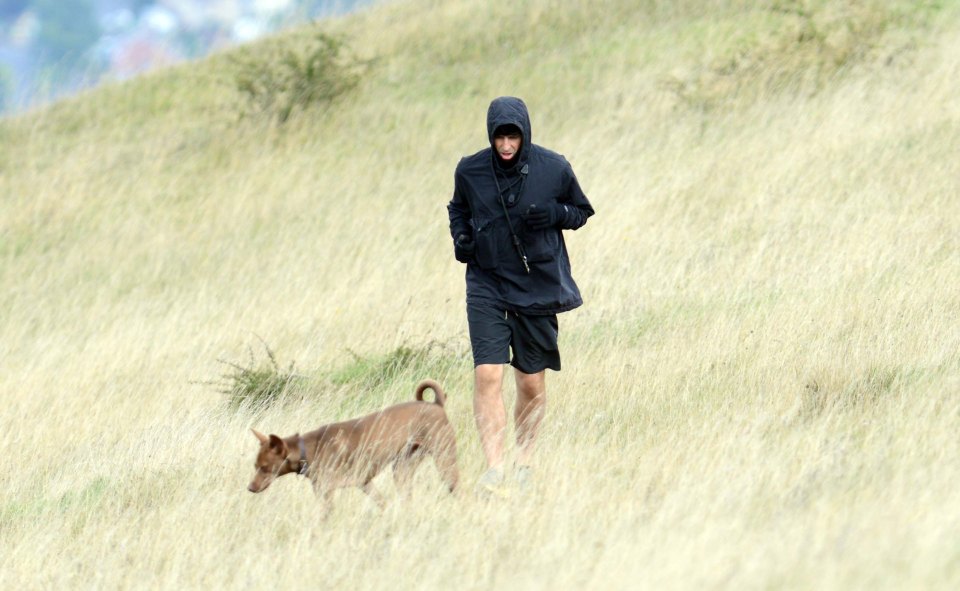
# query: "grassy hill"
x,y
761,390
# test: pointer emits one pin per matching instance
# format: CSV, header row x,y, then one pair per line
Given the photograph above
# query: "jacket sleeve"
x,y
458,209
576,207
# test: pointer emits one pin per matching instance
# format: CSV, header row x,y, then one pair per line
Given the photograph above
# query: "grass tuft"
x,y
257,385
403,364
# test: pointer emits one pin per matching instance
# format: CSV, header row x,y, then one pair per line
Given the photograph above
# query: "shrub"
x,y
257,385
294,72
405,363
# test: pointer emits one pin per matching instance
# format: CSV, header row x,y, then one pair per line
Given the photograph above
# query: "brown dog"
x,y
352,453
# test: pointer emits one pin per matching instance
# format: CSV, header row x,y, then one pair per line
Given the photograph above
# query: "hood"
x,y
506,110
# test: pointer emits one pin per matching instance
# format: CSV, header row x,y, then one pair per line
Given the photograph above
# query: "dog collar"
x,y
303,456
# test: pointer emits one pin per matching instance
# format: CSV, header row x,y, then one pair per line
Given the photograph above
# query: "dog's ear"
x,y
278,446
260,436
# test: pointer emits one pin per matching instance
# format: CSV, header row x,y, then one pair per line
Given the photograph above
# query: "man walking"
x,y
510,203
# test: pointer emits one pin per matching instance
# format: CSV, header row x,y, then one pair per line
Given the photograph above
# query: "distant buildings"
x,y
136,36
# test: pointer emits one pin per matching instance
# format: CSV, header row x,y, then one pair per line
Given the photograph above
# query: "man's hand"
x,y
463,248
541,218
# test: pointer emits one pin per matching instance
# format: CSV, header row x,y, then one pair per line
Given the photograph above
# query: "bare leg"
x,y
528,412
489,412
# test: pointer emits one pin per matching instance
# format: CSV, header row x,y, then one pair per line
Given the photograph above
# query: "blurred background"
x,y
53,48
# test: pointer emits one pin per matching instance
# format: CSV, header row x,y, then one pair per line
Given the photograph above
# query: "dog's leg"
x,y
443,446
325,498
374,494
405,466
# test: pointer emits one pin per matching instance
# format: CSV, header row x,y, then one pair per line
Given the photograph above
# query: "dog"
x,y
353,452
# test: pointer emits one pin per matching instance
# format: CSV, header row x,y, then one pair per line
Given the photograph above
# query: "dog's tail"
x,y
438,396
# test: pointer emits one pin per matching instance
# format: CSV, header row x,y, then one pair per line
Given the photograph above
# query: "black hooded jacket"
x,y
536,176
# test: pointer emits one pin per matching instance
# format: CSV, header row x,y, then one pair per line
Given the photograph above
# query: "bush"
x,y
404,364
294,72
257,385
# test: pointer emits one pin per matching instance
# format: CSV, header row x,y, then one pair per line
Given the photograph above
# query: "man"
x,y
509,205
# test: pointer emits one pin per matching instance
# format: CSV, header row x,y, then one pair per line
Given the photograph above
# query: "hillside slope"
x,y
760,390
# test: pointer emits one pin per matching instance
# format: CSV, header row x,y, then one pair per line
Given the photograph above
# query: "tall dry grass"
x,y
761,390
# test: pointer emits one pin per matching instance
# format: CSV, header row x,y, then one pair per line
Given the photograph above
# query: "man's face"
x,y
507,145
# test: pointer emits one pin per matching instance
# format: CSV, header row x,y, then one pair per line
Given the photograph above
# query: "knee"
x,y
531,386
488,378
531,398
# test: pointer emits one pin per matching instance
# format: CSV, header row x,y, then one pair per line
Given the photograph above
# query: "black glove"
x,y
541,218
463,248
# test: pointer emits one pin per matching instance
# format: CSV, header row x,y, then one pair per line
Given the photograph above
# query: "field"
x,y
761,391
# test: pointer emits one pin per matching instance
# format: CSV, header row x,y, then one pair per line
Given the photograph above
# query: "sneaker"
x,y
524,477
491,484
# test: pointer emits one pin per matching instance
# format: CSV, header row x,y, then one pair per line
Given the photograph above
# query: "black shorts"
x,y
493,332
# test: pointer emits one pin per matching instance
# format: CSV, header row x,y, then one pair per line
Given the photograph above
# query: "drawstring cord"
x,y
513,235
